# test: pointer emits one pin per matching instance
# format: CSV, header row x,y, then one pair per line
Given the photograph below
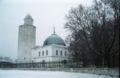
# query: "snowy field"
x,y
46,74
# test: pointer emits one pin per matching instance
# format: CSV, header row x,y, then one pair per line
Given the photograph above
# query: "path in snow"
x,y
46,74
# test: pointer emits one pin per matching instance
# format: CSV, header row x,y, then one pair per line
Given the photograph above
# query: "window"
x,y
61,53
65,53
24,58
56,52
46,52
43,53
39,53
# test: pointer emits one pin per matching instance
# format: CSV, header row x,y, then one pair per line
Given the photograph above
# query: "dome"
x,y
28,20
54,39
28,17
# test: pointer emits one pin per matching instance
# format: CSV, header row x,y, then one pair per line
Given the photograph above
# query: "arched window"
x,y
24,58
65,53
56,52
61,52
39,53
42,53
46,52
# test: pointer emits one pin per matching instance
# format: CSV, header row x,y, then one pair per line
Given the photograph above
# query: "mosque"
x,y
53,49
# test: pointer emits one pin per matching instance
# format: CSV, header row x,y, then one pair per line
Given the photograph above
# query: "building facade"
x,y
54,48
26,40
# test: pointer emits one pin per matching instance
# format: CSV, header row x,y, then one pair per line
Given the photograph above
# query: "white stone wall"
x,y
34,53
59,57
51,57
26,41
37,58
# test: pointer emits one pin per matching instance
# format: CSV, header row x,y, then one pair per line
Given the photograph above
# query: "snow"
x,y
46,74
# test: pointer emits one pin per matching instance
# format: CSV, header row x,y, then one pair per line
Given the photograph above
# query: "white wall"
x,y
51,57
59,57
26,41
37,58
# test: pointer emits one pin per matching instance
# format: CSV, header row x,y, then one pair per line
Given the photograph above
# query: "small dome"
x,y
28,20
28,17
54,39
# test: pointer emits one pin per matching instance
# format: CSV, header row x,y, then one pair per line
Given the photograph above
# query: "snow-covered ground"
x,y
46,74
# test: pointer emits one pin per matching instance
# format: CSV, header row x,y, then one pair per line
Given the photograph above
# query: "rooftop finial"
x,y
53,30
28,20
28,16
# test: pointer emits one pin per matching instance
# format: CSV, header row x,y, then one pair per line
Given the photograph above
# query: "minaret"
x,y
26,40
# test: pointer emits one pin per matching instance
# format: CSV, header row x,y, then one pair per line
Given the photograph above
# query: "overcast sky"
x,y
46,15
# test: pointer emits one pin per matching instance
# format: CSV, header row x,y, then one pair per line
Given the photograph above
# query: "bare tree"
x,y
94,32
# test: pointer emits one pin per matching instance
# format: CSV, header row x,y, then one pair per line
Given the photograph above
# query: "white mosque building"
x,y
53,49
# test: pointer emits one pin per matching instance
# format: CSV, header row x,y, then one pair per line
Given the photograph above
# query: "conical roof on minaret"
x,y
28,20
28,16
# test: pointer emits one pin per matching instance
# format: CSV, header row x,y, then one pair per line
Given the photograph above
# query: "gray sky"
x,y
46,15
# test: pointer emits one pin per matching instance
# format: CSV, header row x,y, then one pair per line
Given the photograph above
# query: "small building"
x,y
53,50
5,60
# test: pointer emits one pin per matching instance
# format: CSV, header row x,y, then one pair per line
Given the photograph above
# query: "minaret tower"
x,y
26,40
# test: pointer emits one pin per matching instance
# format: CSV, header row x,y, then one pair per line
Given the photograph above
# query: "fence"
x,y
62,64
